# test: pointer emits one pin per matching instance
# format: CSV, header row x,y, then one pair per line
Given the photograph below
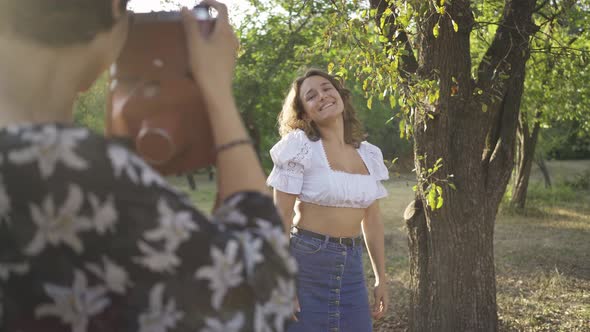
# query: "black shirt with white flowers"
x,y
92,239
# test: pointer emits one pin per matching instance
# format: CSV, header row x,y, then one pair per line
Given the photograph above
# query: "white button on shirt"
x,y
301,167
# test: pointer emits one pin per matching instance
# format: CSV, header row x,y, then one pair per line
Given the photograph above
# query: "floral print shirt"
x,y
92,239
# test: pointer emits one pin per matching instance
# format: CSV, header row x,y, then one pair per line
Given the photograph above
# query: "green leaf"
x,y
455,25
330,67
392,101
370,102
452,185
402,128
439,202
484,107
435,30
432,199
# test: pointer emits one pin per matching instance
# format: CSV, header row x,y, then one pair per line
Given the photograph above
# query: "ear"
x,y
116,7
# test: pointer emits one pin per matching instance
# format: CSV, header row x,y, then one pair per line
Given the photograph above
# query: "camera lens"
x,y
202,13
155,145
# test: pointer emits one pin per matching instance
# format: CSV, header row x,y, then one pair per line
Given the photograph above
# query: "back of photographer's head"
x,y
58,23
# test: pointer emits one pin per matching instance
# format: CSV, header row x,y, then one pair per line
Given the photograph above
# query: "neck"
x,y
333,132
37,84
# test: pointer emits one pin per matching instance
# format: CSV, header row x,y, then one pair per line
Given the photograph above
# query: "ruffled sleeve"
x,y
291,156
376,165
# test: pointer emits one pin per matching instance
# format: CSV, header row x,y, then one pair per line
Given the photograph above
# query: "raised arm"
x,y
212,64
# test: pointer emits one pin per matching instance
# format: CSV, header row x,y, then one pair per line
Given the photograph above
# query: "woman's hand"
x,y
381,298
297,309
213,57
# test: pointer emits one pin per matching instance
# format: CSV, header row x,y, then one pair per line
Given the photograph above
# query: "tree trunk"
x,y
451,249
452,274
416,225
525,147
544,170
472,128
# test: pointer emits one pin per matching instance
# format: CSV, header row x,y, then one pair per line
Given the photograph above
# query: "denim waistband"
x,y
347,241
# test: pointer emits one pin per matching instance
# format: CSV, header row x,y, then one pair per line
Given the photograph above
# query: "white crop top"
x,y
301,167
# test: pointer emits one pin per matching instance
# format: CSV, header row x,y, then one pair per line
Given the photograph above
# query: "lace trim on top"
x,y
295,165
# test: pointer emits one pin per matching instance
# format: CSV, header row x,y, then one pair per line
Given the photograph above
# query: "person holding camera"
x,y
91,237
327,173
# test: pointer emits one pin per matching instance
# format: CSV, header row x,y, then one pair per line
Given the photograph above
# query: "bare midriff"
x,y
327,220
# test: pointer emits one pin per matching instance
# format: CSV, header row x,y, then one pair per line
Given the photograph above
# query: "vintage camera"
x,y
153,99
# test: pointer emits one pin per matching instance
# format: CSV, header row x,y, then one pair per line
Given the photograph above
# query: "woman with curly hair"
x,y
330,177
91,237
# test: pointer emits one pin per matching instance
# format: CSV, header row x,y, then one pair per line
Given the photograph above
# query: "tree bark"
x,y
452,270
544,170
417,242
525,147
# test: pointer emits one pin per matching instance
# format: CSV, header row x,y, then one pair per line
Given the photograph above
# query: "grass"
x,y
542,253
543,269
203,196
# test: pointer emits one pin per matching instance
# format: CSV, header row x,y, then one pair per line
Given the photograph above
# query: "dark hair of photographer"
x,y
58,22
93,239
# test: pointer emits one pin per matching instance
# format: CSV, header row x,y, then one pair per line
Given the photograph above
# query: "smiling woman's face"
x,y
321,101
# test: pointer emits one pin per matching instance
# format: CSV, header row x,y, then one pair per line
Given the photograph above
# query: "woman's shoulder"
x,y
295,144
75,153
296,135
375,160
371,149
295,139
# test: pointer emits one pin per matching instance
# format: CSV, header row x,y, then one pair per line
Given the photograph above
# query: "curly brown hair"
x,y
291,116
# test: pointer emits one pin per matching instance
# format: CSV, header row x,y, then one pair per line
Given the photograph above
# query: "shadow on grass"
x,y
543,240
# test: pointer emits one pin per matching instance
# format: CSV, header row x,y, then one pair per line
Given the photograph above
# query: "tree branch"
x,y
540,6
395,34
501,77
511,38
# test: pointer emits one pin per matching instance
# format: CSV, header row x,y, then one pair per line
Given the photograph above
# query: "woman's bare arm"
x,y
374,238
285,203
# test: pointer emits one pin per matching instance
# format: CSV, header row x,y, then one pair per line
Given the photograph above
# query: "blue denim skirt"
x,y
330,286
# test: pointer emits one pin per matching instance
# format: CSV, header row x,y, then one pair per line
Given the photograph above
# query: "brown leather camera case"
x,y
153,99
